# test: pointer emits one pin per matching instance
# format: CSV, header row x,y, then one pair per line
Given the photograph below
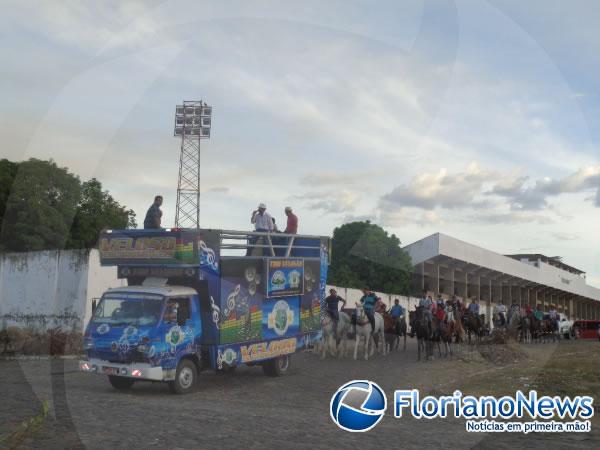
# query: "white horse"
x,y
363,329
331,336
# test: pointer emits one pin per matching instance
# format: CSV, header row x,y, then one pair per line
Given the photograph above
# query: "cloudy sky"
x,y
479,119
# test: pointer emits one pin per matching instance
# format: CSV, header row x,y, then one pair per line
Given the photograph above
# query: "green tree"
x,y
45,207
363,254
40,208
8,171
97,209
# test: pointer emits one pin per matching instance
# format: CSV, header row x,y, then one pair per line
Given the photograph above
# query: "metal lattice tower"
x,y
192,124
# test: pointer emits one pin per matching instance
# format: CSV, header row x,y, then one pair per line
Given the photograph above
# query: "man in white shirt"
x,y
261,219
262,222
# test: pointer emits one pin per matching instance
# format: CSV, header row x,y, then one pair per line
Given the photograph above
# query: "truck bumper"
x,y
138,371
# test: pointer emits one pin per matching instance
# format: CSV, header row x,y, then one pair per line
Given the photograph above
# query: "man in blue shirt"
x,y
474,306
396,310
368,300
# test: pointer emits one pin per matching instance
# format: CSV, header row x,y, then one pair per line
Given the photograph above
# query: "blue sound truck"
x,y
201,299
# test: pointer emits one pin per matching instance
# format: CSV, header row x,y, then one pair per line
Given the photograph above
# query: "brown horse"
x,y
473,325
454,317
394,328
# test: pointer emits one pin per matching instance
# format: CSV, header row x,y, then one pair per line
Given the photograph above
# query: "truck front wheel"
x,y
277,367
185,377
120,383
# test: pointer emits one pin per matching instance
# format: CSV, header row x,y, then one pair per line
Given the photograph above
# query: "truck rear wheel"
x,y
185,377
120,383
277,367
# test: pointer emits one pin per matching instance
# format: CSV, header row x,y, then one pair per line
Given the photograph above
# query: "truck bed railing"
x,y
276,244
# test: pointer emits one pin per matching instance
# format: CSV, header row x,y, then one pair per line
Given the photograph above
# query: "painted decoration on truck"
x,y
280,317
241,315
208,251
324,266
135,247
310,304
249,352
266,350
241,299
285,276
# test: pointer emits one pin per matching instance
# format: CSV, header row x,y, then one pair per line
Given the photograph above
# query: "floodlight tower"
x,y
192,124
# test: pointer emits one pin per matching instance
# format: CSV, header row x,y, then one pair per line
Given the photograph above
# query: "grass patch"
x,y
26,429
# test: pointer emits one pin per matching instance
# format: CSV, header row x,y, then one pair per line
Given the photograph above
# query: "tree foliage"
x,y
97,210
43,206
363,254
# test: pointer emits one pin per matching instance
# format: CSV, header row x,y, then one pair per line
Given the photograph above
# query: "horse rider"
x,y
440,308
332,301
368,301
538,313
513,308
501,310
427,304
473,307
553,315
440,312
396,311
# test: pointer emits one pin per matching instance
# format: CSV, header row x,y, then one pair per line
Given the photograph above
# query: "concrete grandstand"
x,y
445,265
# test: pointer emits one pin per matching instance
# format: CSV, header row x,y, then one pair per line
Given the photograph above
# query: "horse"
x,y
393,330
423,329
334,341
473,324
549,329
445,332
525,329
513,322
363,329
454,318
535,327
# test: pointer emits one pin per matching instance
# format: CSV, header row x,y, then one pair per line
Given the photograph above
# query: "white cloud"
x,y
441,189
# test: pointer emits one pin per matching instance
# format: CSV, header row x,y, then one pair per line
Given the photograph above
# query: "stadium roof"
x,y
450,252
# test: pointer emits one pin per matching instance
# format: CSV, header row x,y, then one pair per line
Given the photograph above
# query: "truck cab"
x,y
204,299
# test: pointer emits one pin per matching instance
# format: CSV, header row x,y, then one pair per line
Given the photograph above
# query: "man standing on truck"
x,y
263,222
154,214
292,221
261,219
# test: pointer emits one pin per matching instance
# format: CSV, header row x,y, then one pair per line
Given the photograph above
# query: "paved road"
x,y
245,409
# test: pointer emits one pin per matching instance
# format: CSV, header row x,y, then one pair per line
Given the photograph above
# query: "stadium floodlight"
x,y
193,120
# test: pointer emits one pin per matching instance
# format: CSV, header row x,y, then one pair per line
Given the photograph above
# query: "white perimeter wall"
x,y
42,290
354,295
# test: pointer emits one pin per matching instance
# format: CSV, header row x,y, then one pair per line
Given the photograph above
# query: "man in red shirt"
x,y
292,221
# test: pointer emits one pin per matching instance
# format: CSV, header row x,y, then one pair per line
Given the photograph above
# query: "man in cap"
x,y
261,219
292,221
263,222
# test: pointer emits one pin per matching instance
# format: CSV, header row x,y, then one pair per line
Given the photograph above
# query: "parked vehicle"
x,y
565,326
199,299
586,329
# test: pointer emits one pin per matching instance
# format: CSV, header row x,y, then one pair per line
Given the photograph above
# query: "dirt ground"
x,y
247,409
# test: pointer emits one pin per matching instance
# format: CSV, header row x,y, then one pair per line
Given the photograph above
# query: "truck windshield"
x,y
129,309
